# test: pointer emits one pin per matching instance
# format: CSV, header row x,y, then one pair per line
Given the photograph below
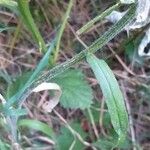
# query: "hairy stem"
x,y
95,46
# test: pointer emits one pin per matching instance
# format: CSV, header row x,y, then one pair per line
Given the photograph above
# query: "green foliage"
x,y
5,76
4,146
65,138
61,30
109,142
89,25
43,63
22,83
131,47
5,28
94,112
112,94
105,144
18,84
10,4
92,48
76,92
37,125
25,13
127,1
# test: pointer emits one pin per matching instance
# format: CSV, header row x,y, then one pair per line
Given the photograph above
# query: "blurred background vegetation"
x,y
19,54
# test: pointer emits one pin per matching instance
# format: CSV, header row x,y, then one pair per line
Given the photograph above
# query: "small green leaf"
x,y
37,125
112,95
108,143
65,139
76,93
105,144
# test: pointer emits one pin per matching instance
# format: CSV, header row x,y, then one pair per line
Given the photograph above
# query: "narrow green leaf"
x,y
15,112
76,93
112,94
43,63
61,30
25,13
37,125
97,18
22,83
5,76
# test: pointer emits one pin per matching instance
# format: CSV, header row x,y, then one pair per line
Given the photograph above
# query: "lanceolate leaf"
x,y
112,95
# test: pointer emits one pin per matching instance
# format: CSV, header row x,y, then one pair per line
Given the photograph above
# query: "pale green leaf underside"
x,y
112,95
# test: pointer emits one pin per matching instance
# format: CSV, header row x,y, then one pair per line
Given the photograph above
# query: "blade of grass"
x,y
40,67
37,125
112,94
25,13
87,26
61,30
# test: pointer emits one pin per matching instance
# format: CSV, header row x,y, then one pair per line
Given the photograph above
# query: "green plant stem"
x,y
93,123
97,45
